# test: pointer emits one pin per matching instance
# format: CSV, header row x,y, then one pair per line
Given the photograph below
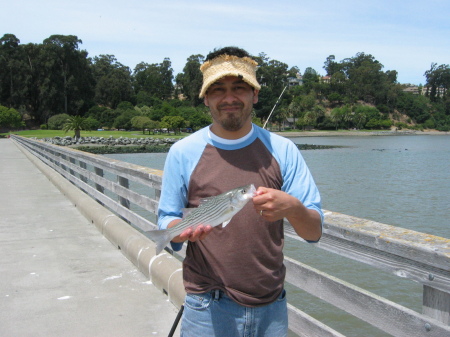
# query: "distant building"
x,y
440,92
297,80
415,90
325,79
412,89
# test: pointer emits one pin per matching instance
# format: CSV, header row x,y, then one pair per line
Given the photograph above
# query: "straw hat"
x,y
228,65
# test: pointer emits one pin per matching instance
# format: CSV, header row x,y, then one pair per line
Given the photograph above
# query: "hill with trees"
x,y
41,82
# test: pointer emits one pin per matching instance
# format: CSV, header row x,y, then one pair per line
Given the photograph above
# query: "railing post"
x,y
436,304
63,158
83,166
125,183
72,161
98,171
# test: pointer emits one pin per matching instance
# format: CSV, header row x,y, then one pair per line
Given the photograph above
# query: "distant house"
x,y
440,92
297,80
412,89
325,79
415,90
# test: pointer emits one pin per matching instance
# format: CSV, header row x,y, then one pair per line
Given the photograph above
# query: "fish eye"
x,y
243,191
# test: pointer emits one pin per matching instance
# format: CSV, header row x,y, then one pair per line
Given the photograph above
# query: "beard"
x,y
231,121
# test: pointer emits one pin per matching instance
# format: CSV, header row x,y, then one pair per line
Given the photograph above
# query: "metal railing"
x,y
132,192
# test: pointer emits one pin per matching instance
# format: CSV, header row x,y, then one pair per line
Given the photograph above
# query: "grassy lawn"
x,y
106,134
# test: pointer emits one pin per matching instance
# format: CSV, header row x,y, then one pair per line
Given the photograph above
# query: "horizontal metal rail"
x,y
408,254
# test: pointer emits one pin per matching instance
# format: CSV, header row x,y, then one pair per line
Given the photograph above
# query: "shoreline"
x,y
141,148
294,134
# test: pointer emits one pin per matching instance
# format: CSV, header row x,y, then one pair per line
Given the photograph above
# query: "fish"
x,y
212,211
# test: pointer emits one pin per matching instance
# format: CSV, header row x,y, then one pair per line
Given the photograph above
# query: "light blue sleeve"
x,y
181,160
297,179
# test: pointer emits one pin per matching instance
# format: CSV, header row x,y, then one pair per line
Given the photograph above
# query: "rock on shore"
x,y
109,141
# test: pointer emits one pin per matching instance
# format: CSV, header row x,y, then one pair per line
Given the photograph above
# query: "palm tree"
x,y
76,123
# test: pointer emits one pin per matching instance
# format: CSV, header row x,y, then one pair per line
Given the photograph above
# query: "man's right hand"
x,y
189,234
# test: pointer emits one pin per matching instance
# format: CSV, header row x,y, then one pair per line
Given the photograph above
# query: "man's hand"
x,y
275,205
192,235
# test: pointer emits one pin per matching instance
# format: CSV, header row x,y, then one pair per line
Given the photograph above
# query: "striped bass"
x,y
212,211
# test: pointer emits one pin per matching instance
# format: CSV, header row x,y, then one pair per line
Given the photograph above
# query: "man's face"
x,y
231,100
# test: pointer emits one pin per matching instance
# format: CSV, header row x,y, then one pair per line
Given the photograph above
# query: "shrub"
x,y
57,122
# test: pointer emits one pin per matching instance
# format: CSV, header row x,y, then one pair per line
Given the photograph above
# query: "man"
x,y
234,276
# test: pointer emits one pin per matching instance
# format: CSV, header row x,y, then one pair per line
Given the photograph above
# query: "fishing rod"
x,y
276,103
175,324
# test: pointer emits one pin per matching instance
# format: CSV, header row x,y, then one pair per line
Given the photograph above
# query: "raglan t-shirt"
x,y
245,258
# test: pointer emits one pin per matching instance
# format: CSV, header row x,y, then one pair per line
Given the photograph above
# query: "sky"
x,y
406,36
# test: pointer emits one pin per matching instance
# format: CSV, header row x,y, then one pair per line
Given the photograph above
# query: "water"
x,y
396,180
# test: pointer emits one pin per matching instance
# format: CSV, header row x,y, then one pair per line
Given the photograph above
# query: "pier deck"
x,y
59,275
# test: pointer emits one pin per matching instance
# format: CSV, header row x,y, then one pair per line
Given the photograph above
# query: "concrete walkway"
x,y
59,275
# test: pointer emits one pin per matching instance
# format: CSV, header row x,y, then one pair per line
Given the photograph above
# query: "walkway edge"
x,y
163,270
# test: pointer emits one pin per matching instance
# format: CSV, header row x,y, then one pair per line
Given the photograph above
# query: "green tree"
x,y
438,81
273,77
113,81
141,122
174,123
154,79
69,86
189,82
295,109
76,123
195,118
337,117
331,66
11,70
125,112
310,78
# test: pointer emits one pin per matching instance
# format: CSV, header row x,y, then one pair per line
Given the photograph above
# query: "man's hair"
x,y
232,51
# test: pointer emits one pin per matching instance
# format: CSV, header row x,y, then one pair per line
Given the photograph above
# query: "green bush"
x,y
57,122
92,123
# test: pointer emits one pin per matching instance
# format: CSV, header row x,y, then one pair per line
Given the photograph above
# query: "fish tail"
x,y
160,237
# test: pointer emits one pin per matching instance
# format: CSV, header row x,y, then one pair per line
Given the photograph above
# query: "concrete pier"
x,y
59,275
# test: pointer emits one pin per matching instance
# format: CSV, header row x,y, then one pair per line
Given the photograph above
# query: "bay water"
x,y
402,181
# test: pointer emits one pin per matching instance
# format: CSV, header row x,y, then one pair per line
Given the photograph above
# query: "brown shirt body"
x,y
245,258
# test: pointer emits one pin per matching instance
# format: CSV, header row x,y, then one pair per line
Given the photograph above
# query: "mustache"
x,y
232,105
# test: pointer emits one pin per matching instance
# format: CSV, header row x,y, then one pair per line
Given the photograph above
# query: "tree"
x,y
10,118
174,123
113,81
337,117
189,82
331,66
76,123
438,81
141,122
273,77
154,79
310,78
69,86
294,108
11,58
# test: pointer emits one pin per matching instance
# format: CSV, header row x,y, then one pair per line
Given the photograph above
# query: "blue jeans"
x,y
213,314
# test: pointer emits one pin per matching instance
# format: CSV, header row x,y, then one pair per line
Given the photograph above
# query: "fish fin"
x,y
160,237
205,200
225,223
187,211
